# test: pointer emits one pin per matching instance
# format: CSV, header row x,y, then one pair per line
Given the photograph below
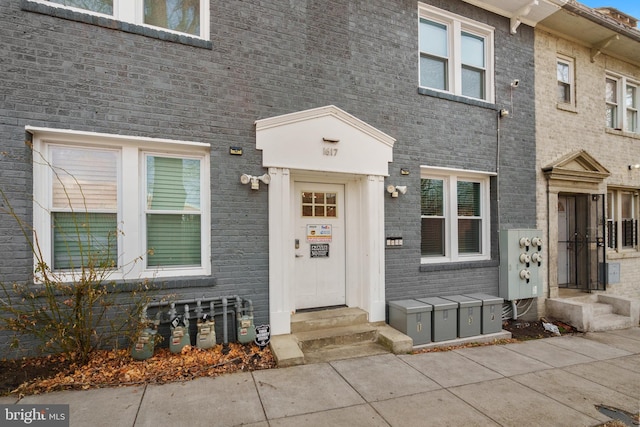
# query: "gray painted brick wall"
x,y
267,59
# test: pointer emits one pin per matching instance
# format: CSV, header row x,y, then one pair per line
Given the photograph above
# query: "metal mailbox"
x,y
412,318
444,319
469,315
491,312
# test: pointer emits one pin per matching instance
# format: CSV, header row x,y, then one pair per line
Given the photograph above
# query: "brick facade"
x,y
267,59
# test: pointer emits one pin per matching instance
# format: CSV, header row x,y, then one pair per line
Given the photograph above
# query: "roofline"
x,y
594,16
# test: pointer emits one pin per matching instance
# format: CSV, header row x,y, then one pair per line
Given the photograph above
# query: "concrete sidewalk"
x,y
547,382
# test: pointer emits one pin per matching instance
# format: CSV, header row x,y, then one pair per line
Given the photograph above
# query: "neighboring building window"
x,y
565,80
133,206
631,106
183,16
456,54
455,216
622,219
622,103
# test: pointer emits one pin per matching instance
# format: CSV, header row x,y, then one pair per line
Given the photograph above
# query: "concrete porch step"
x,y
611,322
334,334
329,318
339,352
601,309
342,335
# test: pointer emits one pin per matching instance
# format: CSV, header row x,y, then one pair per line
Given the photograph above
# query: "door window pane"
x,y
177,15
319,204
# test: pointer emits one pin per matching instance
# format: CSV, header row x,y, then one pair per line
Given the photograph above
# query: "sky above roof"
x,y
630,7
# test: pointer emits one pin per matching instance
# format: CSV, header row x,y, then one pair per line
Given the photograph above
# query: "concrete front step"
x,y
325,319
339,352
342,335
595,312
611,322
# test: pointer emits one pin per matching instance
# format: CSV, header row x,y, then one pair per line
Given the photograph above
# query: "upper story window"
x,y
455,216
133,206
622,102
565,73
181,16
456,54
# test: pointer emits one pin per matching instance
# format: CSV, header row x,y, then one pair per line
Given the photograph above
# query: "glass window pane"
x,y
433,38
177,15
632,121
84,179
469,236
612,116
173,184
173,240
472,50
84,239
433,73
473,83
630,98
627,205
611,91
468,198
99,6
564,92
431,197
432,237
563,72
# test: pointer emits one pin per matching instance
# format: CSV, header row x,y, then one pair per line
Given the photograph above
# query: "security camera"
x,y
515,83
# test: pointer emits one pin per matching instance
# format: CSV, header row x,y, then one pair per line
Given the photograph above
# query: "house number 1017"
x,y
326,151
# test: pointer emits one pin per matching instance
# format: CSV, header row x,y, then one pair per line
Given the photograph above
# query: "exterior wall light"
x,y
255,180
395,189
636,166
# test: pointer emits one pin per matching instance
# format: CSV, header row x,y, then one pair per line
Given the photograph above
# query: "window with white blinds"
x,y
138,207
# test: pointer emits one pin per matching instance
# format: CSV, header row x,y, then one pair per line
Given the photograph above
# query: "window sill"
x,y
457,98
620,132
623,254
114,24
567,107
450,266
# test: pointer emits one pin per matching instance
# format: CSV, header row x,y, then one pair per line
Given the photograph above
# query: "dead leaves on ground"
x,y
117,368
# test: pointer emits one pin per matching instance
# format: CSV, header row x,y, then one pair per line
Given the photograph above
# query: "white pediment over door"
x,y
324,139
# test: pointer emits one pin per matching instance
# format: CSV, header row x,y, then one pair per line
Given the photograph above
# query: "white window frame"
x,y
621,120
457,24
570,63
450,178
132,11
132,257
615,198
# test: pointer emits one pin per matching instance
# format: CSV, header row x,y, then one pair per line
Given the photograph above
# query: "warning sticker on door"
x,y
320,250
317,233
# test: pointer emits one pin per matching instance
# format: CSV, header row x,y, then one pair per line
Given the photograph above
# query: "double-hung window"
x,y
565,74
622,100
455,216
137,207
456,54
622,219
183,16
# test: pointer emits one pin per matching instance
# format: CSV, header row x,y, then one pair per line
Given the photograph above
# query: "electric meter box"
x,y
412,318
491,312
520,264
444,318
469,315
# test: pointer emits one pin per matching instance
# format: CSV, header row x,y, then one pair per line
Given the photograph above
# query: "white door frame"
x,y
301,146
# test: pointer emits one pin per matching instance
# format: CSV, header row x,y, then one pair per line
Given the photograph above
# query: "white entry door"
x,y
319,235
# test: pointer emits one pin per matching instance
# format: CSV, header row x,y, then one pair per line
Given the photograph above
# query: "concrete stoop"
x,y
595,312
335,334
